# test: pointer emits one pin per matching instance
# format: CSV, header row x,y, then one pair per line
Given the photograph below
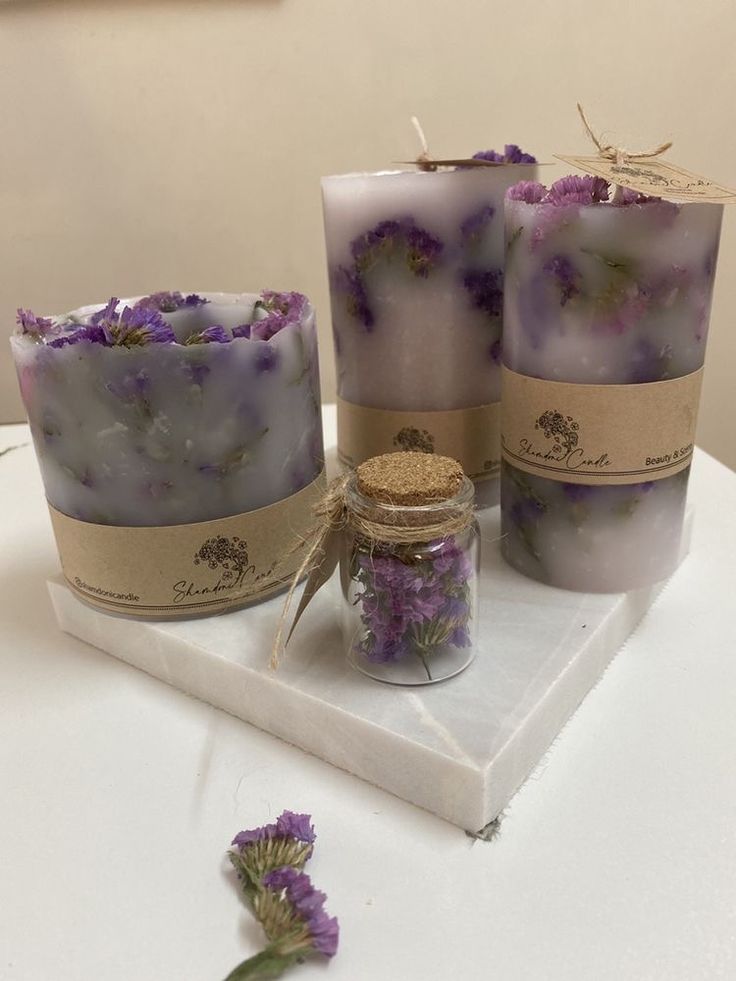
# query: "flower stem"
x,y
268,964
423,659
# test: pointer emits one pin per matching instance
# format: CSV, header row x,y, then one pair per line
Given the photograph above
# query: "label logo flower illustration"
x,y
418,440
228,554
562,429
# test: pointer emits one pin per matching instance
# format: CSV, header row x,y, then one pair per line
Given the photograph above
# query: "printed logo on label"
x,y
230,556
418,440
564,431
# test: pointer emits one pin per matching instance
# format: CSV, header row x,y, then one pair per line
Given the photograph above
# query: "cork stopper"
x,y
411,479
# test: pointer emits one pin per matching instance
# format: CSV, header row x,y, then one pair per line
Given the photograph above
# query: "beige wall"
x,y
153,144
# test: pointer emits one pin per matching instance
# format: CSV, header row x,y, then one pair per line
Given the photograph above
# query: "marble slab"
x,y
460,748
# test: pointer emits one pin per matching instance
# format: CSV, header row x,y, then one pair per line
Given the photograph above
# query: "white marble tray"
x,y
460,748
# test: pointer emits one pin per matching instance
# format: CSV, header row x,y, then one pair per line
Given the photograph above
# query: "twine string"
x,y
616,153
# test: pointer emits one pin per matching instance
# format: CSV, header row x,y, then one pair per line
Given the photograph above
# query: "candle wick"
x,y
423,159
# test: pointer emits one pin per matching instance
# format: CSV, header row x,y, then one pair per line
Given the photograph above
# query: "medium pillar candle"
x,y
601,289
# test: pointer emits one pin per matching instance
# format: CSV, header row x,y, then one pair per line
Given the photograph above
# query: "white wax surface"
x,y
429,348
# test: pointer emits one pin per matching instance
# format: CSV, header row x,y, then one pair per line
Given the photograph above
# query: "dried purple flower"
x,y
33,326
474,226
260,850
92,333
306,926
168,302
413,606
511,154
566,276
134,326
214,334
266,359
486,289
531,192
578,190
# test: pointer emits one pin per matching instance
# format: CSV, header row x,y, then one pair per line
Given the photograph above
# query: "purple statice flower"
x,y
474,226
650,362
287,842
485,287
292,306
242,330
422,249
130,388
578,190
168,302
511,154
490,155
133,326
351,283
293,916
515,155
565,275
531,192
215,334
266,359
421,252
32,326
410,605
93,333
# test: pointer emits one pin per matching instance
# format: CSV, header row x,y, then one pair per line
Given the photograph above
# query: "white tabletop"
x,y
617,860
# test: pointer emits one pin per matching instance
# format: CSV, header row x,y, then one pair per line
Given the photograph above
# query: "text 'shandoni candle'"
x,y
176,411
416,287
607,304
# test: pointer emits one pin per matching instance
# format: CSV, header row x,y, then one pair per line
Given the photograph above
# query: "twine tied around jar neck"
x,y
617,153
397,499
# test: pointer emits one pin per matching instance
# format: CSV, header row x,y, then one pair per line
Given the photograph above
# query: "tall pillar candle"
x,y
416,286
602,291
173,410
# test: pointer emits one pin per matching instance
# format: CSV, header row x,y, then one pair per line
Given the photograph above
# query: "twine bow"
x,y
617,153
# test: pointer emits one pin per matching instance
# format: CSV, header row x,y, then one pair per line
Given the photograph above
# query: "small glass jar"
x,y
410,610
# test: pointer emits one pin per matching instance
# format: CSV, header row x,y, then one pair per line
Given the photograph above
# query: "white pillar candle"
x,y
416,285
602,292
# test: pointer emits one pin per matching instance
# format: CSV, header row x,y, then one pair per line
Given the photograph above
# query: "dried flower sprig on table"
x,y
269,862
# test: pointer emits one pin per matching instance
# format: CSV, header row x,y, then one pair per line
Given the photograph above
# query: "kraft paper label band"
x,y
471,436
186,570
599,434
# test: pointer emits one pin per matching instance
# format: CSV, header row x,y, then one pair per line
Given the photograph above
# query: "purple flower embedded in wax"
x,y
474,226
496,352
422,249
421,252
485,287
242,330
531,192
565,275
215,334
293,916
578,190
266,359
291,305
32,326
